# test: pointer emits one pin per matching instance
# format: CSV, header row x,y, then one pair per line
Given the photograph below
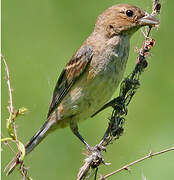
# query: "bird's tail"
x,y
34,141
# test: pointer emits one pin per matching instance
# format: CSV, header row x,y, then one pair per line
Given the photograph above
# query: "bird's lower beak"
x,y
148,20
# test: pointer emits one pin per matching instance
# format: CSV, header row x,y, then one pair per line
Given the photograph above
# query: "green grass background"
x,y
38,38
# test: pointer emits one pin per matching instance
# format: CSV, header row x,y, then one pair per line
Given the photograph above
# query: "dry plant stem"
x,y
12,116
10,107
150,155
83,170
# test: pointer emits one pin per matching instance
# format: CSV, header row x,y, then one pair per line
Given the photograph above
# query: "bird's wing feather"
x,y
74,68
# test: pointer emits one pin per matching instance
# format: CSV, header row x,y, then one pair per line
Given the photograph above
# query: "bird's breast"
x,y
97,85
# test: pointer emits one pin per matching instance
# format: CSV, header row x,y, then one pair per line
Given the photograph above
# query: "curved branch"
x,y
126,167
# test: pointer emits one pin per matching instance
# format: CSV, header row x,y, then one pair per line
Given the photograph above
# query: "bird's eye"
x,y
129,13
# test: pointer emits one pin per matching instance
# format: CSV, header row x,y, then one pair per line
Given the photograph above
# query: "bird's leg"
x,y
74,129
106,134
100,145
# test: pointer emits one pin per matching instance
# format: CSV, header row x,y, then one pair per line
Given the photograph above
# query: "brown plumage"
x,y
93,73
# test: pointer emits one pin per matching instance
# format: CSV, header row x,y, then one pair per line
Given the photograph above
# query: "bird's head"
x,y
123,19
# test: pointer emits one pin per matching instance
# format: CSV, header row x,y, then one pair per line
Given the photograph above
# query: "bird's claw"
x,y
98,147
92,149
95,156
101,148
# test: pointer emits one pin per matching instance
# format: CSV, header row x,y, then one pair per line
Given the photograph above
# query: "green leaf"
x,y
6,139
22,110
29,178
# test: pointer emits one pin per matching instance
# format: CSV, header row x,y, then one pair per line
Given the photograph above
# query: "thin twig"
x,y
126,167
11,125
10,107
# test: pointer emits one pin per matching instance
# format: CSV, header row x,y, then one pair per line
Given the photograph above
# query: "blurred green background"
x,y
38,38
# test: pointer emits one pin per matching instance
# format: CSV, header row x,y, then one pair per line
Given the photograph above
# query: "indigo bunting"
x,y
93,73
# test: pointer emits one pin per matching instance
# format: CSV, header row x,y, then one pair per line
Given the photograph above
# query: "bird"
x,y
92,75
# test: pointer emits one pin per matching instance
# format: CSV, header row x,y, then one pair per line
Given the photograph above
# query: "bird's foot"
x,y
94,155
98,147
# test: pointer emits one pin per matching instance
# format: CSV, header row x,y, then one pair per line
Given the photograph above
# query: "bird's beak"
x,y
148,20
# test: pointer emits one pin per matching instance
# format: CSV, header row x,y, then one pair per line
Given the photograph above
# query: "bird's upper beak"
x,y
148,20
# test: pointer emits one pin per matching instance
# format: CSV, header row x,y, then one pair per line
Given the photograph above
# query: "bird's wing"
x,y
74,68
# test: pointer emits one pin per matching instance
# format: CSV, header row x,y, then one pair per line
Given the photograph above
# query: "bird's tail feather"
x,y
34,141
38,137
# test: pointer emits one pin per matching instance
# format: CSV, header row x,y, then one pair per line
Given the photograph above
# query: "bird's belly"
x,y
88,96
